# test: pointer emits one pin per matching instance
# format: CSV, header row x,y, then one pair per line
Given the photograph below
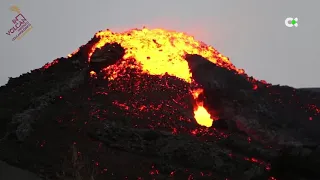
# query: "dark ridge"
x,y
311,89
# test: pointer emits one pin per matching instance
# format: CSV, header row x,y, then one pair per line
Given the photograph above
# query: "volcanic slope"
x,y
156,104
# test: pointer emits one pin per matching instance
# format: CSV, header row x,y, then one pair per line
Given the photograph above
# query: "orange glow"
x,y
93,74
201,115
196,93
160,52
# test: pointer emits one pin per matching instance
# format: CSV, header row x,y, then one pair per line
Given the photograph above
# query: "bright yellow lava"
x,y
160,51
203,117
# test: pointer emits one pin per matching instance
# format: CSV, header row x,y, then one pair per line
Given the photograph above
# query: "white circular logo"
x,y
291,22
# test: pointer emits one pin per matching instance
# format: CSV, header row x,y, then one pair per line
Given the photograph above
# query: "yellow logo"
x,y
21,26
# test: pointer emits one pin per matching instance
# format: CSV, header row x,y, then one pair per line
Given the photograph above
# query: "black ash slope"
x,y
51,115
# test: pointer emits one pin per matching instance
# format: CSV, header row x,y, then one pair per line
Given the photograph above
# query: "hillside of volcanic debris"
x,y
156,104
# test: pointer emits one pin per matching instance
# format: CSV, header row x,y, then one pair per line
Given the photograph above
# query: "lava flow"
x,y
160,52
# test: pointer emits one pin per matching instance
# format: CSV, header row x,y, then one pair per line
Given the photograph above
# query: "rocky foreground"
x,y
61,123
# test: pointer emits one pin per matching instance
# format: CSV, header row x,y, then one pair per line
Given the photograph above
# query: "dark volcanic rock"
x,y
106,56
211,76
58,122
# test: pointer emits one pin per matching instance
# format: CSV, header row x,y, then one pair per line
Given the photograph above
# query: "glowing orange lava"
x,y
201,115
160,52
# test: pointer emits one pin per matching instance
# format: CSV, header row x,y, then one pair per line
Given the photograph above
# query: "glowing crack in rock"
x,y
200,113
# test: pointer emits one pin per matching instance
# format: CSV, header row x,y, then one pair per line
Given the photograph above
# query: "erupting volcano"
x,y
161,52
156,104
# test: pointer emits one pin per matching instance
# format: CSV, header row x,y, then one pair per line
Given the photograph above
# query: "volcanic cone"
x,y
156,104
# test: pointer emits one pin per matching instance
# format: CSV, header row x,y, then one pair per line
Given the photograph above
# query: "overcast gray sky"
x,y
251,33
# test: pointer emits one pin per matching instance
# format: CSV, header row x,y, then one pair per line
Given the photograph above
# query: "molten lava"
x,y
160,52
200,113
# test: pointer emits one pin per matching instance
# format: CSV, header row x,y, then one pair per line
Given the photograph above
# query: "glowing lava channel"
x,y
159,52
201,115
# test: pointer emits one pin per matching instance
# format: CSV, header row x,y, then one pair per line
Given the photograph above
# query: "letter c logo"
x,y
286,22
